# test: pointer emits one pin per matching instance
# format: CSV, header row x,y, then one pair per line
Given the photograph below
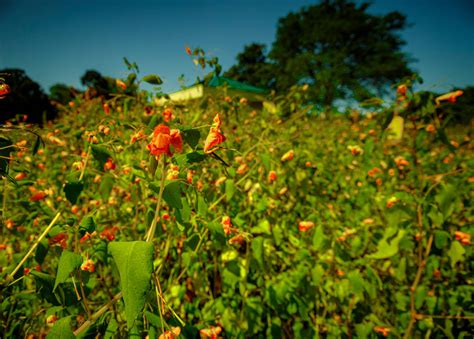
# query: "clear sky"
x,y
57,41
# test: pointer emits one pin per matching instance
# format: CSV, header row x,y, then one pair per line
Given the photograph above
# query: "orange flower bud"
x,y
303,226
38,196
272,176
288,155
215,137
88,266
121,84
106,108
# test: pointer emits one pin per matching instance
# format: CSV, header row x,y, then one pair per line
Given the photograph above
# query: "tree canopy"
x,y
25,98
336,46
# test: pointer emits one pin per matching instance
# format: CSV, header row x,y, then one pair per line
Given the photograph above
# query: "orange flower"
x,y
303,226
401,162
227,225
385,331
4,90
288,155
170,334
392,201
72,104
87,236
88,266
355,150
211,332
215,137
38,196
451,97
161,140
308,164
189,176
167,115
109,165
272,176
391,172
464,238
106,108
244,101
188,50
430,128
50,320
242,169
238,239
20,176
121,84
60,239
378,181
402,90
137,136
109,233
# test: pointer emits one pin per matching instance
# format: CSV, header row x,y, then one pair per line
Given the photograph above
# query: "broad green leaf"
x,y
386,250
441,239
106,185
135,264
446,198
191,136
257,251
68,262
61,329
356,281
72,190
172,194
152,79
87,225
318,238
101,154
456,253
229,189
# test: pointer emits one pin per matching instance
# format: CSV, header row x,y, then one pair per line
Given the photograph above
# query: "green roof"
x,y
234,84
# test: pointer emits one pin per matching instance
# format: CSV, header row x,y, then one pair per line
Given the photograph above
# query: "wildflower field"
x,y
214,219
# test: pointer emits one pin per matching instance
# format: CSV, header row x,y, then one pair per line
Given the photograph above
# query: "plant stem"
x,y
97,314
10,276
151,231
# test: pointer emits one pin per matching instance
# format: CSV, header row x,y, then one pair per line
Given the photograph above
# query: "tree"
x,y
25,98
253,67
62,94
95,80
338,48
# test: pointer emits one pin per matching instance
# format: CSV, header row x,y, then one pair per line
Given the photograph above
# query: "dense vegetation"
x,y
127,218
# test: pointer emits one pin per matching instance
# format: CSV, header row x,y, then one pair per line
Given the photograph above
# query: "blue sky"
x,y
56,41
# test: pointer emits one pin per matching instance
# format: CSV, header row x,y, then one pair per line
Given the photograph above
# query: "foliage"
x,y
336,46
27,101
291,227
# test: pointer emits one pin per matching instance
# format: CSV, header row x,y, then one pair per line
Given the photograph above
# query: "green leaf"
x,y
257,251
37,144
68,262
456,253
101,154
135,264
106,185
357,283
229,189
87,225
61,329
172,194
72,190
191,136
386,250
6,146
441,239
152,79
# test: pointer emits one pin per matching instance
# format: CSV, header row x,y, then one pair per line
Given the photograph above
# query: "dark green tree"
x,y
26,98
253,67
338,48
95,80
62,94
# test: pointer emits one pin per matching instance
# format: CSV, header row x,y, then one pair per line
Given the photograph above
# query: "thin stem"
x,y
97,314
11,275
5,194
85,162
151,231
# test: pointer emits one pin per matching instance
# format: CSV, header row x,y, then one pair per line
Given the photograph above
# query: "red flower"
x,y
121,84
109,165
215,137
188,50
272,176
402,90
211,332
88,265
106,108
20,176
109,233
161,140
227,225
59,239
303,226
38,196
167,115
4,90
